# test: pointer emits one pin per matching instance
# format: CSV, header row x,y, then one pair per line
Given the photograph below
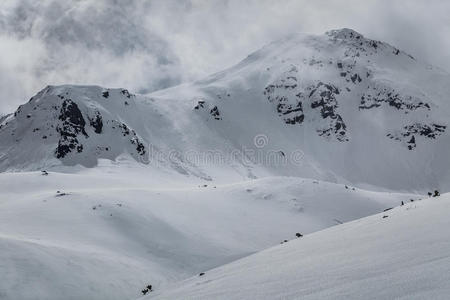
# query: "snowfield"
x,y
103,234
405,255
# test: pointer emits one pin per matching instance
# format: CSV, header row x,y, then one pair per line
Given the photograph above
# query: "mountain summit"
x,y
338,107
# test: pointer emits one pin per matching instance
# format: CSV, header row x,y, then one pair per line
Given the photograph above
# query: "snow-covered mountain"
x,y
103,192
338,107
399,254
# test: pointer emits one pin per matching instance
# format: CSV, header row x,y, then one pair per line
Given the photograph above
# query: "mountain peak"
x,y
344,33
75,124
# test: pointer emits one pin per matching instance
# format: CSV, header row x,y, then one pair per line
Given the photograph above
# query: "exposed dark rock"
x,y
412,143
212,110
288,105
355,77
61,194
409,133
125,130
215,113
72,125
323,97
289,100
71,116
126,93
147,289
97,123
140,148
379,95
134,139
201,104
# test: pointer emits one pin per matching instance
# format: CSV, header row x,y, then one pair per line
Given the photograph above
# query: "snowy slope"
x,y
337,107
405,255
106,233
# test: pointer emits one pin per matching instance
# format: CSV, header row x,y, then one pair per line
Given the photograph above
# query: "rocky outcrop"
x,y
283,94
378,95
291,101
409,134
323,98
212,110
97,122
72,124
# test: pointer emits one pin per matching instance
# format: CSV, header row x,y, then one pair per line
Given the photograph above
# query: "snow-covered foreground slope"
x,y
337,107
405,255
107,233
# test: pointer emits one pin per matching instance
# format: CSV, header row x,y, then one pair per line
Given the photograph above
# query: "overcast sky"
x,y
150,44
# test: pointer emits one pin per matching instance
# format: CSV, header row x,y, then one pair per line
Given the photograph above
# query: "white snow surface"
x,y
106,233
403,256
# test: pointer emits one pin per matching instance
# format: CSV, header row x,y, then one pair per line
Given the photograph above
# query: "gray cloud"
x,y
151,44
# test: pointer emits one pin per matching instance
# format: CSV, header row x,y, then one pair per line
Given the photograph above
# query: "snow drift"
x,y
403,253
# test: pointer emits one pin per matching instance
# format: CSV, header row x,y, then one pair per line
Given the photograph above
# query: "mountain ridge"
x,y
326,96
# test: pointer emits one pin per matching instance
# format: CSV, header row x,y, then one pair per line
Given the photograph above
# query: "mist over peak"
x,y
150,45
